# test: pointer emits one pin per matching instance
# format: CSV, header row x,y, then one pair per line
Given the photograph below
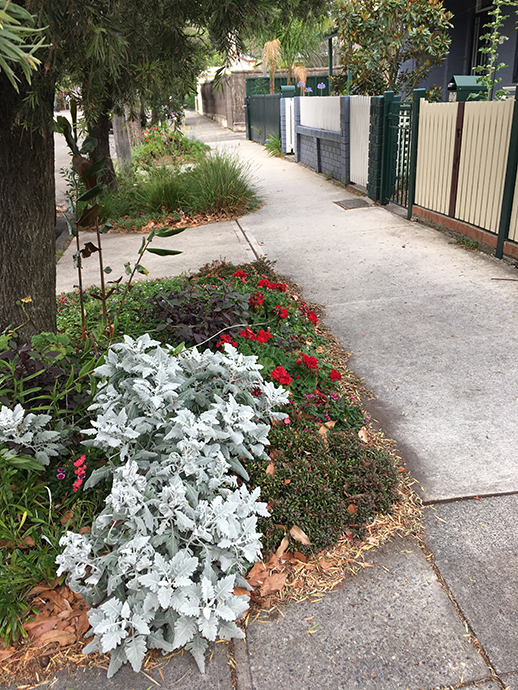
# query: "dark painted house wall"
x,y
459,60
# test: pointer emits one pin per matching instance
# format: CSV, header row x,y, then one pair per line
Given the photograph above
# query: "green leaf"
x,y
88,145
142,270
163,252
107,226
71,230
108,269
169,233
90,193
127,268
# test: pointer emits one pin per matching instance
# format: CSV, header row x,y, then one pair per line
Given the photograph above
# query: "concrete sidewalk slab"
x,y
510,681
433,328
475,549
199,245
391,626
178,673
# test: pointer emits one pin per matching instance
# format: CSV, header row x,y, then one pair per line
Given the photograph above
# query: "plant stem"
x,y
101,269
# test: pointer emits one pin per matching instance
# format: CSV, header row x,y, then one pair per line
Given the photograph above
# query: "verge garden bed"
x,y
176,453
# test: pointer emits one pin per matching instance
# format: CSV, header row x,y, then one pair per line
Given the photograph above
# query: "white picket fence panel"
x,y
290,125
359,126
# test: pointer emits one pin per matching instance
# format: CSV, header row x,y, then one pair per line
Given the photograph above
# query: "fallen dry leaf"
x,y
270,469
282,547
40,625
257,575
62,637
300,557
241,592
273,583
351,508
363,434
299,535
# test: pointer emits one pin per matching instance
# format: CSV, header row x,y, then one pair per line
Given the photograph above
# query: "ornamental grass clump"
x,y
178,531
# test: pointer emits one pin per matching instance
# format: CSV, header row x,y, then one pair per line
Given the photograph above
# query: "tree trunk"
x,y
122,142
27,218
101,131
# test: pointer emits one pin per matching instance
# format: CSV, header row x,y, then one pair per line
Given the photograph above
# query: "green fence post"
x,y
247,118
387,174
414,131
509,186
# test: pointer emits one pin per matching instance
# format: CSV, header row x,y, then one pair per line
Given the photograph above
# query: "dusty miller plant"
x,y
27,431
162,560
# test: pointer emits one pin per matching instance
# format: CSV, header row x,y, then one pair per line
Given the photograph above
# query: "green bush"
x,y
315,482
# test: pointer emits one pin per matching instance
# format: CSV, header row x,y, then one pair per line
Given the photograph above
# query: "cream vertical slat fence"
x,y
435,148
359,127
320,112
483,161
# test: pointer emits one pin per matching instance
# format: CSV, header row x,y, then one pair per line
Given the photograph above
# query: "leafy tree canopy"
x,y
19,41
390,45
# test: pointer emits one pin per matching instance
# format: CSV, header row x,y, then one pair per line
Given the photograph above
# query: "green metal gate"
x,y
263,117
399,155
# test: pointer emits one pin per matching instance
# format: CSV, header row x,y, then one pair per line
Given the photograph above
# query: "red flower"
x,y
80,471
248,334
241,274
225,338
265,283
310,362
263,336
312,317
281,312
335,375
256,299
281,375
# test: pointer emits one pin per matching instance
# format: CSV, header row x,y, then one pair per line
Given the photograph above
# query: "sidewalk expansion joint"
x,y
475,642
251,245
474,497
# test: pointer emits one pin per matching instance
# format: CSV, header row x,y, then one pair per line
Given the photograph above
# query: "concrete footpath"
x,y
434,332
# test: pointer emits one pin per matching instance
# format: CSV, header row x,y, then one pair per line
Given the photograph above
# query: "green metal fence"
x,y
399,154
261,85
263,117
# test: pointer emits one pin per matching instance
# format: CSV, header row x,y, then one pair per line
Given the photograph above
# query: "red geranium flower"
x,y
281,312
312,317
310,362
263,336
225,338
256,299
241,274
335,375
281,375
248,334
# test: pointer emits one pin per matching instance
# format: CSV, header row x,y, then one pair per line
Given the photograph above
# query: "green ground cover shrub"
x,y
318,474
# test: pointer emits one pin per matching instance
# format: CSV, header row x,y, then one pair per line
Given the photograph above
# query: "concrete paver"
x,y
391,626
198,245
475,548
180,672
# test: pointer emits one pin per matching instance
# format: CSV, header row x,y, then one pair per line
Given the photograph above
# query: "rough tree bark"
x,y
27,218
101,131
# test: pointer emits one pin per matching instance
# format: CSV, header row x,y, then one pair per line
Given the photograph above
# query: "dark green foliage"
x,y
47,377
196,313
315,483
160,143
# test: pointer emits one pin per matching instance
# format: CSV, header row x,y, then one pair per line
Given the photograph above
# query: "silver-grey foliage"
x,y
177,533
28,431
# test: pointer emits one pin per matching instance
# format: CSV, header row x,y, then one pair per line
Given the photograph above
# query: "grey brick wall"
x,y
325,151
